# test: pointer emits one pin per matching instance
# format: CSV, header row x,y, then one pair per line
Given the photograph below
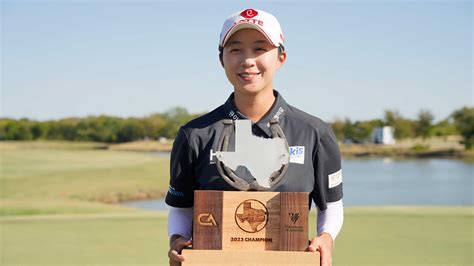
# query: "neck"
x,y
254,106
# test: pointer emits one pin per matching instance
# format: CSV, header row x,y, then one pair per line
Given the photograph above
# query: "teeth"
x,y
248,74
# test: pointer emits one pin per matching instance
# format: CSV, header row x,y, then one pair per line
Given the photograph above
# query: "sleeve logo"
x,y
335,179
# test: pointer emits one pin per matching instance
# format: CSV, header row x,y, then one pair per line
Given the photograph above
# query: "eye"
x,y
260,49
234,50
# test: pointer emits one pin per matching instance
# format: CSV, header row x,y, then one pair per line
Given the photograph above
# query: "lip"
x,y
248,76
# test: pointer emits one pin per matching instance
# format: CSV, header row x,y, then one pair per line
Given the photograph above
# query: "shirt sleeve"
x,y
327,169
330,221
181,187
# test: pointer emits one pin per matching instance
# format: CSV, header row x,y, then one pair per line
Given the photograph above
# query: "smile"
x,y
248,76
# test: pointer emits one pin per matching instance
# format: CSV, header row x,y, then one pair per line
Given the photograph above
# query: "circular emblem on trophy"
x,y
251,216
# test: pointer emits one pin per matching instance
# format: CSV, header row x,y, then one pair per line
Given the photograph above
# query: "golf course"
x,y
59,205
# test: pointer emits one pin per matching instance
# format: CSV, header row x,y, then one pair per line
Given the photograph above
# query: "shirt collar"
x,y
277,110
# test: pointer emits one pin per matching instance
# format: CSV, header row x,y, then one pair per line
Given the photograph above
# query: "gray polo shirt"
x,y
315,160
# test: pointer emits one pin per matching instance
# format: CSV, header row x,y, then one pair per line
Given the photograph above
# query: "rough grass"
x,y
371,236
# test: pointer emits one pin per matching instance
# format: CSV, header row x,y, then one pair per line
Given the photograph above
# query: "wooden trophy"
x,y
250,228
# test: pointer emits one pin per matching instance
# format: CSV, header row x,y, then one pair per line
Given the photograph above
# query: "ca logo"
x,y
206,219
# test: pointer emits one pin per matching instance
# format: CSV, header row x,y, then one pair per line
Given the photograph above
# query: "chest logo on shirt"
x,y
297,154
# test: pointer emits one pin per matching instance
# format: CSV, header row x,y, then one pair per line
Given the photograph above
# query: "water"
x,y
376,182
407,182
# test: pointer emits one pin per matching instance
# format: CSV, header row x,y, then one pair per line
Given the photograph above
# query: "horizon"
x,y
382,118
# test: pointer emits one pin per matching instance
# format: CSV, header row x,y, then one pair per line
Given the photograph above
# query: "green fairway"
x,y
375,236
52,177
121,239
53,212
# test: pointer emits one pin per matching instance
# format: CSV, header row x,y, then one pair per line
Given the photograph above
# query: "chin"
x,y
249,91
252,89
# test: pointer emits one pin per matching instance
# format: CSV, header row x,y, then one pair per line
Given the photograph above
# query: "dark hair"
x,y
281,50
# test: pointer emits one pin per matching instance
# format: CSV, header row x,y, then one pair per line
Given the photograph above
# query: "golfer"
x,y
251,51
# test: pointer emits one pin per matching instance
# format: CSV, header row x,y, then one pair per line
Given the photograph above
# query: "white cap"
x,y
262,21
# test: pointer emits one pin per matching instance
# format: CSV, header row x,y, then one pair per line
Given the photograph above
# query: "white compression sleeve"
x,y
180,222
330,221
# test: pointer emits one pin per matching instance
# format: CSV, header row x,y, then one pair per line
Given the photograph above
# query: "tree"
x,y
338,128
39,130
391,117
362,131
155,126
464,119
403,128
64,129
176,117
445,128
18,130
424,124
131,130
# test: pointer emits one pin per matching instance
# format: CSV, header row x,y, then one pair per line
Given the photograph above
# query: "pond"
x,y
384,182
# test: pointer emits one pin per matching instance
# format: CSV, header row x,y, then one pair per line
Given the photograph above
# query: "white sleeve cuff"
x,y
180,222
330,221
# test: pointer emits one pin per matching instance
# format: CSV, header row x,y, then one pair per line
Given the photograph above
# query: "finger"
x,y
325,254
179,246
174,263
175,256
313,246
188,243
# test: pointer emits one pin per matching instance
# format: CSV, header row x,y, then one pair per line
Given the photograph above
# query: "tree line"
x,y
460,122
110,129
113,129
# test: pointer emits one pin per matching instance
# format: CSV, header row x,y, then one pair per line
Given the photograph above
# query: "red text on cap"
x,y
249,13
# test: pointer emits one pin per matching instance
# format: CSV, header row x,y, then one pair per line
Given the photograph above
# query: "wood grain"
x,y
249,258
294,221
207,225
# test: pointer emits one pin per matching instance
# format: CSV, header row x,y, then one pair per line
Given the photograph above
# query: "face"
x,y
250,62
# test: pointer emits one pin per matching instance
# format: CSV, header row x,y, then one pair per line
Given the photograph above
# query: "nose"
x,y
248,60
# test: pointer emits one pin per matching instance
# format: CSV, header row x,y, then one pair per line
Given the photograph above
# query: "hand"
x,y
323,244
177,244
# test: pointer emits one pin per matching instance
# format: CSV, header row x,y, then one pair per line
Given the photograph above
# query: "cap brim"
x,y
241,26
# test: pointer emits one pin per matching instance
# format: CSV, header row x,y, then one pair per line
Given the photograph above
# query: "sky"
x,y
345,59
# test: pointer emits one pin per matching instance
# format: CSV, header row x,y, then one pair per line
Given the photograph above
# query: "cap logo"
x,y
249,13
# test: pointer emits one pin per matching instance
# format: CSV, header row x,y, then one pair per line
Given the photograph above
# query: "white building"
x,y
383,135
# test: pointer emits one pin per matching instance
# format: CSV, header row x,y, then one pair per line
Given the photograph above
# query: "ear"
x,y
282,58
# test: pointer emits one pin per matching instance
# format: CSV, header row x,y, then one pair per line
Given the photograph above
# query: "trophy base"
x,y
196,257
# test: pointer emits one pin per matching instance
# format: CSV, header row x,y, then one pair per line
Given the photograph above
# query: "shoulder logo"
x,y
249,13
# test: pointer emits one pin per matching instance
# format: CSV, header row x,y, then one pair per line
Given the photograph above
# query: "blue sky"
x,y
132,58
